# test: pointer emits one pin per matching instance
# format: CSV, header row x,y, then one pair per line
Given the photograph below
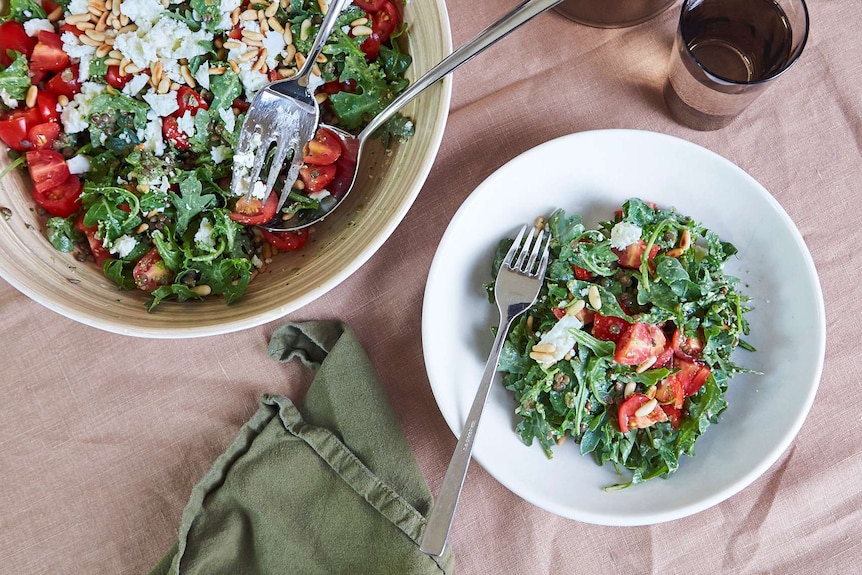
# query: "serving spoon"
x,y
352,145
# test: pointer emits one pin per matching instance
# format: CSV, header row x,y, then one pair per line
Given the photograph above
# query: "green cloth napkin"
x,y
327,487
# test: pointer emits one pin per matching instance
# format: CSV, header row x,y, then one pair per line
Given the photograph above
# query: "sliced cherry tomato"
x,y
252,213
98,250
13,37
113,77
42,136
176,137
608,327
48,53
631,256
627,418
46,102
13,133
345,170
385,21
286,241
151,272
316,178
48,169
369,5
699,374
558,312
335,86
688,348
324,149
240,105
70,28
65,82
235,32
190,100
62,200
664,357
674,415
371,46
582,274
31,116
639,342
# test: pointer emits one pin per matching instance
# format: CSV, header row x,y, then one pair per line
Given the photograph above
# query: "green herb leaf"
x,y
14,80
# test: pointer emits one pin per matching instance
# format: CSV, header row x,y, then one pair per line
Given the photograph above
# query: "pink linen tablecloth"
x,y
103,436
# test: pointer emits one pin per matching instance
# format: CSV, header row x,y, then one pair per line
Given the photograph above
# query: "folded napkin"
x,y
329,486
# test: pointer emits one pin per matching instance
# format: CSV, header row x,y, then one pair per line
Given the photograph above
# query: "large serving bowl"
x,y
386,188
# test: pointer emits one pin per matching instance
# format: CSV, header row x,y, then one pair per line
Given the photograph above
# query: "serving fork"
x,y
284,113
516,288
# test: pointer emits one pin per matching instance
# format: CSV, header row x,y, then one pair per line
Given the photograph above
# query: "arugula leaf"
x,y
599,347
190,202
62,234
225,88
14,80
23,10
98,67
120,273
208,12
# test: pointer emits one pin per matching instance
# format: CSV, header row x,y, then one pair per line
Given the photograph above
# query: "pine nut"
x,y
300,60
110,41
30,99
288,36
264,26
271,10
545,348
202,290
132,69
234,45
286,72
249,55
629,389
541,357
674,253
187,76
252,35
685,241
323,5
646,408
82,26
124,20
651,392
648,363
321,97
142,228
112,62
174,86
97,36
289,52
63,100
217,71
304,28
164,86
116,54
77,18
103,22
595,298
362,31
102,51
248,15
275,25
359,22
94,11
127,28
252,42
84,39
259,65
576,308
321,59
234,66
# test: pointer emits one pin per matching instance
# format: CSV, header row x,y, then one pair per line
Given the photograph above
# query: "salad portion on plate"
x,y
126,114
627,350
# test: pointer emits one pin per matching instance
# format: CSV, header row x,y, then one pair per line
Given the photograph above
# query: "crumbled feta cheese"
x,y
135,85
202,76
186,123
258,190
315,82
226,115
74,116
204,235
8,100
220,154
561,338
162,104
151,135
319,195
274,44
255,261
142,12
78,6
78,164
624,234
32,27
253,81
122,246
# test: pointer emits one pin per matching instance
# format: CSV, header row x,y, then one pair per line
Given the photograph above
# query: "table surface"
x,y
103,436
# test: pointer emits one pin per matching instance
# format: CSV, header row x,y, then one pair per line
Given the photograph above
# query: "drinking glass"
x,y
612,13
726,52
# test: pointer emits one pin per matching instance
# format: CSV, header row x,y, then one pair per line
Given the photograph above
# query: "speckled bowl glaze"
x,y
386,188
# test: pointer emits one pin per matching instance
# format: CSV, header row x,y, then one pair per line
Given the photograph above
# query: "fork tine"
x,y
543,264
292,174
535,253
510,255
525,250
275,168
259,158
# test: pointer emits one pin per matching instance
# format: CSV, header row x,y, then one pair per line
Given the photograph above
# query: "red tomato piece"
x,y
674,415
631,256
558,312
627,418
48,54
70,28
335,86
99,252
316,178
369,5
286,241
46,103
13,133
697,379
608,327
253,212
639,342
345,170
47,169
151,272
175,137
684,347
371,46
385,21
13,37
664,357
240,105
324,149
190,100
582,274
113,77
61,200
65,82
42,136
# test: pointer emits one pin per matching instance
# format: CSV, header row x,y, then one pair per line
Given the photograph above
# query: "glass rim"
x,y
794,57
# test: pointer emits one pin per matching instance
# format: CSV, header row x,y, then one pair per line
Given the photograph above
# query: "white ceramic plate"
x,y
592,173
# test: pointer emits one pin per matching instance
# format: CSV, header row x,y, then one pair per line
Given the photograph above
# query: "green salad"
x,y
627,351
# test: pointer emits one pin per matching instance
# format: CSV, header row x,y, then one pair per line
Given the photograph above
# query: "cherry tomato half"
x,y
46,102
98,250
369,5
176,137
627,418
151,272
62,200
252,212
688,348
385,21
13,37
42,136
324,149
639,342
316,178
190,100
608,328
630,257
113,77
65,82
48,54
13,133
286,241
48,169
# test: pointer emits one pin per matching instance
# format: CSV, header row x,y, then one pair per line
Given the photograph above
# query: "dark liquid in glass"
x,y
739,40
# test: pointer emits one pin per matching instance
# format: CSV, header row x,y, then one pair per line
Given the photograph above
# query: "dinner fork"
x,y
516,288
271,120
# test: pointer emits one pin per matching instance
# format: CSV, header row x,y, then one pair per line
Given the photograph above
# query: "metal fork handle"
x,y
443,512
490,35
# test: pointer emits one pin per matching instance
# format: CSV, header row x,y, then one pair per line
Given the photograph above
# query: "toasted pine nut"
x,y
359,22
84,39
102,51
202,290
595,298
629,389
94,11
112,62
648,363
132,69
651,392
187,76
576,308
288,36
264,26
362,31
252,35
233,45
545,348
82,26
124,20
321,97
174,86
75,19
530,323
63,100
103,22
275,25
674,253
299,59
217,71
289,52
248,15
259,65
252,42
271,10
321,59
30,99
304,28
97,36
142,228
646,408
541,357
164,86
234,66
249,55
323,5
127,28
116,54
685,241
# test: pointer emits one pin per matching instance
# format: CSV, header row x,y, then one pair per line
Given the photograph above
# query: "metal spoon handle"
x,y
443,511
490,35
